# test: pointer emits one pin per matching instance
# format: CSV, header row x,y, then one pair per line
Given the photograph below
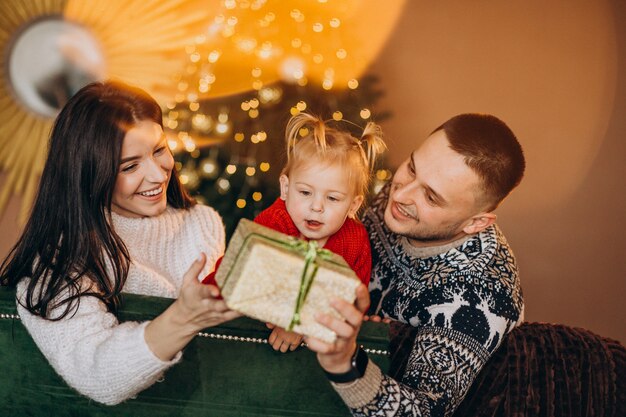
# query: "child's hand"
x,y
282,340
377,319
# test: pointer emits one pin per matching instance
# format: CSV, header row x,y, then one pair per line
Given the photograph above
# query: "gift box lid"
x,y
248,231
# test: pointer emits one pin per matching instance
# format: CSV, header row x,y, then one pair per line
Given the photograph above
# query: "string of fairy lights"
x,y
289,72
199,162
194,56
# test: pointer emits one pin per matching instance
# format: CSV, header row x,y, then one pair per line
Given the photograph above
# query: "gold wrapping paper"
x,y
260,278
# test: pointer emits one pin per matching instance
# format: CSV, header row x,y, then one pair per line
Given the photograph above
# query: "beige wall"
x,y
555,72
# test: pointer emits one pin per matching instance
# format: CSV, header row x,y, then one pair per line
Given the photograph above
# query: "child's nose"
x,y
317,205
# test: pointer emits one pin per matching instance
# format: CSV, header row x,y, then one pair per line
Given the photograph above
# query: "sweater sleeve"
x,y
447,353
276,217
99,357
363,262
352,243
441,367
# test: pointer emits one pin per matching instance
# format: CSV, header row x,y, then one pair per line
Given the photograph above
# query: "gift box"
x,y
282,280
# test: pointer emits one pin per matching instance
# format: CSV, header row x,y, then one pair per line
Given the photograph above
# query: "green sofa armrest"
x,y
228,371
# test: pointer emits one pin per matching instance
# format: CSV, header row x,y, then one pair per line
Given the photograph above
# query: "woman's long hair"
x,y
69,242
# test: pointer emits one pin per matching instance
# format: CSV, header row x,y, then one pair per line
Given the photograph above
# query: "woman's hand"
x,y
195,308
336,357
198,304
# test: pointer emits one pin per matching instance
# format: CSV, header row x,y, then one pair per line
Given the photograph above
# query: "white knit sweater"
x,y
108,361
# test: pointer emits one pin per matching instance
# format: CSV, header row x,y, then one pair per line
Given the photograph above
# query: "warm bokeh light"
x,y
296,42
185,51
146,43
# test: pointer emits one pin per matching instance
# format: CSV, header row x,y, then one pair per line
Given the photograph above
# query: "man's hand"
x,y
335,357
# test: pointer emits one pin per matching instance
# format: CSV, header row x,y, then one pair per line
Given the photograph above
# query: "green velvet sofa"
x,y
227,371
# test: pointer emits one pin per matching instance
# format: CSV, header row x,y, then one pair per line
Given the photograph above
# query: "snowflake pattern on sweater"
x,y
462,301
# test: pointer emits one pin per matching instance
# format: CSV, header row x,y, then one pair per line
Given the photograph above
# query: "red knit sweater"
x,y
351,240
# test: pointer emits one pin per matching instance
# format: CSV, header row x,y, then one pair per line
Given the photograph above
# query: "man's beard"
x,y
447,234
443,233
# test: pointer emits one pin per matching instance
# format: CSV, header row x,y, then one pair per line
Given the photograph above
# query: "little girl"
x,y
321,189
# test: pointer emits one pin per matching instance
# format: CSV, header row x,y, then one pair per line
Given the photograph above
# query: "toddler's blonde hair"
x,y
309,139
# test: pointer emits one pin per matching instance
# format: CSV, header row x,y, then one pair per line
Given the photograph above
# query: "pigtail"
x,y
372,141
305,120
325,144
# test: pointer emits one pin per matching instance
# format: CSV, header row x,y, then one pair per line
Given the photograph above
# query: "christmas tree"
x,y
230,151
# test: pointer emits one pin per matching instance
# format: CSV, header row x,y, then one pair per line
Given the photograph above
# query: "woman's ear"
x,y
354,206
284,186
479,223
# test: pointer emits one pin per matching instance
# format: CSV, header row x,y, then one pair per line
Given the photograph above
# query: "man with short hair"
x,y
440,264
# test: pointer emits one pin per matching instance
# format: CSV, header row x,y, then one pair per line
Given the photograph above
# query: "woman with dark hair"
x,y
111,216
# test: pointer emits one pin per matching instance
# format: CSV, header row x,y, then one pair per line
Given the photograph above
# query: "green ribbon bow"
x,y
311,251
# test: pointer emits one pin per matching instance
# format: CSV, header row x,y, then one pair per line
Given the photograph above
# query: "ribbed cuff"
x,y
358,393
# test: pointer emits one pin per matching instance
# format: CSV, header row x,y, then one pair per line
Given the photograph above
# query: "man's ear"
x,y
479,223
284,186
354,206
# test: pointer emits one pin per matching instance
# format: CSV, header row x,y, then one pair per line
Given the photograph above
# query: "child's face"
x,y
318,199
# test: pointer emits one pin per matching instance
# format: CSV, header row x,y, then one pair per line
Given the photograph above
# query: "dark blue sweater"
x,y
463,298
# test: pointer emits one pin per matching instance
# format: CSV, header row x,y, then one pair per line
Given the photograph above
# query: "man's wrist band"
x,y
358,365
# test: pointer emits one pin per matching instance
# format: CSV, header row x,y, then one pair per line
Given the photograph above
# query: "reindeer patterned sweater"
x,y
463,298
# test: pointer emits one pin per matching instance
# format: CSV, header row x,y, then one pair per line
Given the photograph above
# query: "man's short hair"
x,y
491,149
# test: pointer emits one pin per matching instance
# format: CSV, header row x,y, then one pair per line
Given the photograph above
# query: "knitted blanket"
x,y
542,370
